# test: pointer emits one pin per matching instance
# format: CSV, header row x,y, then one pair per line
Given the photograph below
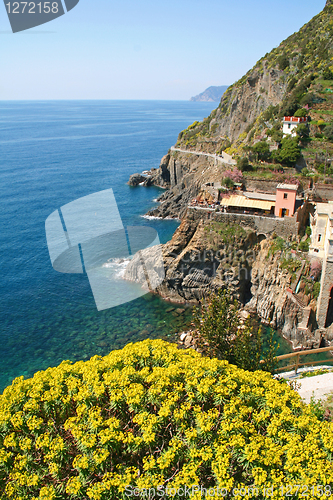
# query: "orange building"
x,y
285,200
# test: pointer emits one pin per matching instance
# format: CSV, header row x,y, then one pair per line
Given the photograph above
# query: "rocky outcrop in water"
x,y
136,179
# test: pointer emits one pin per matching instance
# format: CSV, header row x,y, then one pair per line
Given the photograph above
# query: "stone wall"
x,y
325,292
324,191
283,227
260,185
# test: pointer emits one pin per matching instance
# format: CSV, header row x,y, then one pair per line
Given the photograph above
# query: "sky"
x,y
130,49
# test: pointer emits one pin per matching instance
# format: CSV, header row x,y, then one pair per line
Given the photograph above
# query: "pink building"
x,y
285,200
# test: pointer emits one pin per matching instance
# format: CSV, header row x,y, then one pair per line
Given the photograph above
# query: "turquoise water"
x,y
53,153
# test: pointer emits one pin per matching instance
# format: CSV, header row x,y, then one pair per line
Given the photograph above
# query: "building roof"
x,y
243,202
292,187
295,119
324,209
260,196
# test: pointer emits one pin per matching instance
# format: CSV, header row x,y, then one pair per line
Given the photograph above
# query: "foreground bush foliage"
x,y
151,415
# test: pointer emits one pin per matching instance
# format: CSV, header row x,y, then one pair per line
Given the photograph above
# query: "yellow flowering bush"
x,y
151,416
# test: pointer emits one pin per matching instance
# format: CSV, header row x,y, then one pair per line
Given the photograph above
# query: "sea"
x,y
52,153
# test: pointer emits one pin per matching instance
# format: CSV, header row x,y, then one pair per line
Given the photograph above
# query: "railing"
x,y
298,354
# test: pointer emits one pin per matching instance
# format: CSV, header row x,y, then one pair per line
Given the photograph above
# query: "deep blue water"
x,y
52,153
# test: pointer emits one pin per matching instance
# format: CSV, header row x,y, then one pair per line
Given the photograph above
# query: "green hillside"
x,y
294,78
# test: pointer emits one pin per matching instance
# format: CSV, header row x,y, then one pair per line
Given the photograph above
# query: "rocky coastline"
x,y
205,256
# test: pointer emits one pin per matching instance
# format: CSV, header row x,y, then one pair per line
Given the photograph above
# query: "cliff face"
x,y
246,100
183,175
270,299
202,257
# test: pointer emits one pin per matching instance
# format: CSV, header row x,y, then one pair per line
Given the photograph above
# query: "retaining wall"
x,y
324,191
284,227
325,292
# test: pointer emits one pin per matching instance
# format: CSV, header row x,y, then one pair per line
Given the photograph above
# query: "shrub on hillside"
x,y
152,416
221,334
283,62
243,164
304,246
328,131
301,113
327,74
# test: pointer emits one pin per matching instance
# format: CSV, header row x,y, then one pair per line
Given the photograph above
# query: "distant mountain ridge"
x,y
212,94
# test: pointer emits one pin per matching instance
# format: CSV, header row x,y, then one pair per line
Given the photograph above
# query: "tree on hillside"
x,y
217,322
275,132
261,150
289,152
227,182
302,131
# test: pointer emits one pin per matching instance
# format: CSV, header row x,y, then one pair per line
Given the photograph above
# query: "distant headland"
x,y
212,94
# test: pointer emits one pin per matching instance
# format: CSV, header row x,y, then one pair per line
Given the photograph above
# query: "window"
x,y
319,237
289,126
285,195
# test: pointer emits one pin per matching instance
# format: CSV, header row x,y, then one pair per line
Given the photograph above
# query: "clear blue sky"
x,y
132,49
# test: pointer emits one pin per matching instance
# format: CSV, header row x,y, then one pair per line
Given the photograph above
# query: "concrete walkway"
x,y
319,386
224,158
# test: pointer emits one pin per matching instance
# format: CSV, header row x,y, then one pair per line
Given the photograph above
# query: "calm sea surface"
x,y
52,153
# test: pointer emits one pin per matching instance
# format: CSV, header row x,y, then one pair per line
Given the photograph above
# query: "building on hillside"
x,y
321,226
285,202
322,248
290,123
247,204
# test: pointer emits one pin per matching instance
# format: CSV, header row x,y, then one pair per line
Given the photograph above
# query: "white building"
x,y
322,247
290,123
322,229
